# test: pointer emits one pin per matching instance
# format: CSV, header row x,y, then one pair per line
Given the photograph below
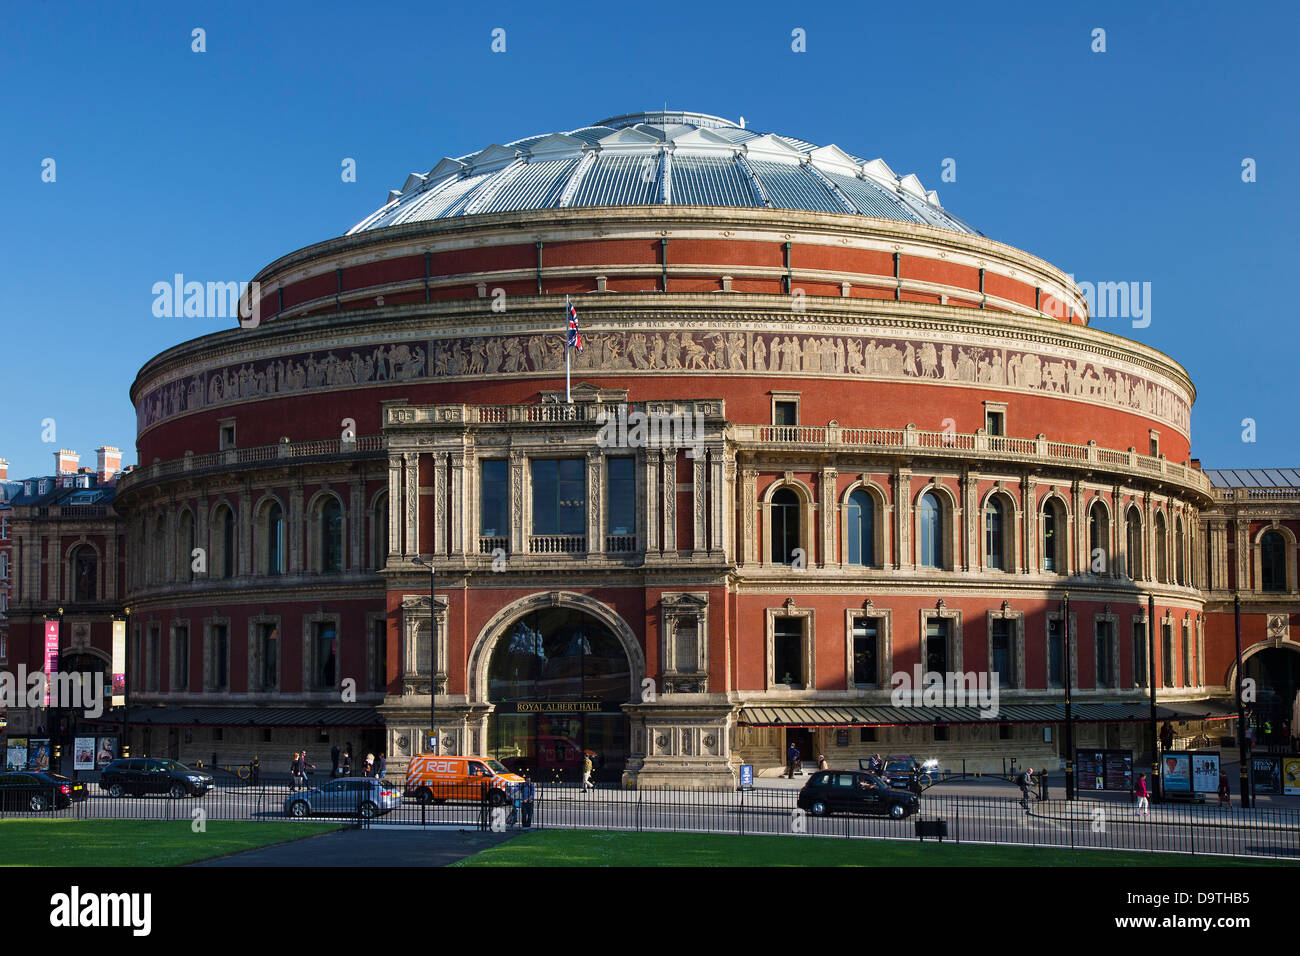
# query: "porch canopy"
x,y
889,716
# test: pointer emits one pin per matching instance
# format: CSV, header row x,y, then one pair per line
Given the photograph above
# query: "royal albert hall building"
x,y
906,445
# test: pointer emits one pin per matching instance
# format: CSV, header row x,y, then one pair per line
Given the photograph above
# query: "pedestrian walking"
x,y
334,761
1225,792
791,761
1167,736
587,767
346,768
821,762
877,764
1042,784
381,766
1026,780
526,793
307,766
369,769
295,770
1143,805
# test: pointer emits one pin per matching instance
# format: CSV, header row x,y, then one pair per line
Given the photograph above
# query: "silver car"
x,y
365,796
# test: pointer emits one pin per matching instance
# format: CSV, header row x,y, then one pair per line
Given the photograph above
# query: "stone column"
x,y
245,534
595,496
201,510
462,536
727,507
1079,536
1243,556
699,503
669,471
411,517
829,545
438,511
356,519
1029,496
519,510
903,559
394,505
970,524
749,510
647,505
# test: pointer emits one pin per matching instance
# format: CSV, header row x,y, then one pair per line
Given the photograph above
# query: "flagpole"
x,y
568,398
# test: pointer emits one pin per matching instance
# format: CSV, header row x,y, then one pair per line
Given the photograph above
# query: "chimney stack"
x,y
65,462
108,462
4,468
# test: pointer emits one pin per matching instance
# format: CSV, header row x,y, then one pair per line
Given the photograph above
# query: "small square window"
x,y
1004,731
227,436
866,735
940,732
1155,444
785,413
995,423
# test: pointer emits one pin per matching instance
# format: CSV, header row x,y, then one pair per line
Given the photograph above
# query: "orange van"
x,y
431,777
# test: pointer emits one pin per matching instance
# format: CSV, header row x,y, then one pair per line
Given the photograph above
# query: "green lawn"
x,y
137,842
601,848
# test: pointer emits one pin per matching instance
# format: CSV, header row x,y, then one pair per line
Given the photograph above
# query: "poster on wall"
x,y
106,753
83,753
119,664
51,654
1205,773
1176,772
16,755
1291,775
1266,774
38,753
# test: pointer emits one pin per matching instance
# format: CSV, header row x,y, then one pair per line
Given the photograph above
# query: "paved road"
x,y
376,847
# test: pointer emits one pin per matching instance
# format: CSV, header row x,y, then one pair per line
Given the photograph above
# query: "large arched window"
x,y
1272,561
158,550
1134,547
995,535
1162,550
861,529
84,565
1098,539
223,534
331,535
785,526
1180,563
1054,537
274,538
379,532
930,541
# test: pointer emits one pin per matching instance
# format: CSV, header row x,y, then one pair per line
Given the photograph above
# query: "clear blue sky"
x,y
1115,166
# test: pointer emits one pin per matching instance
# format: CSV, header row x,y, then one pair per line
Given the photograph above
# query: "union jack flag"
x,y
575,337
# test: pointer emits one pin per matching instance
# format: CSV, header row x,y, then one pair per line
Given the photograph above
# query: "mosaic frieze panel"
x,y
871,357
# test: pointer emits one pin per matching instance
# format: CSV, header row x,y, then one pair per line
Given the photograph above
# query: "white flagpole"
x,y
568,398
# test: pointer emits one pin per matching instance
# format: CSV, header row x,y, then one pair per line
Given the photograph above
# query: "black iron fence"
x,y
985,820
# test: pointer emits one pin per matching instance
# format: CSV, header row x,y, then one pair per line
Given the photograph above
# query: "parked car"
x,y
39,790
853,791
139,776
349,796
907,773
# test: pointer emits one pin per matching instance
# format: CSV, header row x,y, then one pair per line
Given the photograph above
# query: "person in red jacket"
x,y
1225,792
1144,805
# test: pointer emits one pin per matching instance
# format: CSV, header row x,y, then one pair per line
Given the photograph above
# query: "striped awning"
x,y
890,716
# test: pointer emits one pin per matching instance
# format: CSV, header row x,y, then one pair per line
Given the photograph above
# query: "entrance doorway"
x,y
1276,672
558,679
802,738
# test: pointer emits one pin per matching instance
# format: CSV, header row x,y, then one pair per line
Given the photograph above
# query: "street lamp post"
x,y
1151,685
124,748
433,657
1243,754
1069,719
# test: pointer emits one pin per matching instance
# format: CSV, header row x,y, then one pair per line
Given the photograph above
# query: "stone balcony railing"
x,y
1037,449
1257,494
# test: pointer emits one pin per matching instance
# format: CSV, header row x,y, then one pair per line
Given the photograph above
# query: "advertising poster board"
x,y
51,654
16,755
1176,772
38,753
106,753
119,664
83,753
1205,773
1104,769
1291,775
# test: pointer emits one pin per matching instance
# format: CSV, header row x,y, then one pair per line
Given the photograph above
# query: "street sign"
x,y
746,776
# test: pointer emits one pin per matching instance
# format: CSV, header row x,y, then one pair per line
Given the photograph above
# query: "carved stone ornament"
x,y
1279,627
788,604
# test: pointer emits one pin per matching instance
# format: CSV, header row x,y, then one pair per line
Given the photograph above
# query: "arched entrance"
x,y
1276,672
557,679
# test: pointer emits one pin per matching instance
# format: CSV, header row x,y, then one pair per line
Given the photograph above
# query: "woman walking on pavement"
x,y
1143,805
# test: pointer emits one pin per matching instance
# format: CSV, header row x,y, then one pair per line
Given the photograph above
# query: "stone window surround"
x,y
788,609
881,521
1053,498
1288,554
255,623
949,518
1098,500
1005,613
1140,680
377,521
1110,617
309,662
997,408
1072,642
178,682
786,396
315,533
1167,679
955,643
676,607
1011,531
807,517
372,654
216,556
884,618
222,425
415,617
70,579
262,534
209,662
1189,658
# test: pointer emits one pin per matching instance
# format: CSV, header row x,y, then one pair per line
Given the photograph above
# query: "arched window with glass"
x,y
379,532
273,535
1180,563
223,530
861,529
930,538
1134,547
158,550
1272,561
1162,550
1054,537
185,540
995,535
785,526
1098,539
84,565
331,535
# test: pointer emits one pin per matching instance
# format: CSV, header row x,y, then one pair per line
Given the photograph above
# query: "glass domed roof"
x,y
664,158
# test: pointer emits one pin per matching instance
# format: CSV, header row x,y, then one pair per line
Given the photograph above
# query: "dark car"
x,y
140,776
853,791
39,790
907,773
